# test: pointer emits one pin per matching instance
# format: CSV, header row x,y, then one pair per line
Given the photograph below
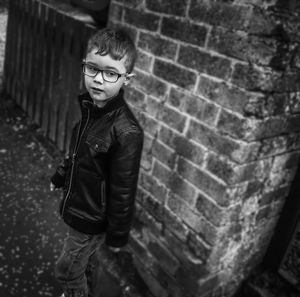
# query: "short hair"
x,y
116,43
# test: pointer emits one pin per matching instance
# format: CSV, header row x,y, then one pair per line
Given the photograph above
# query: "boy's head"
x,y
109,61
115,43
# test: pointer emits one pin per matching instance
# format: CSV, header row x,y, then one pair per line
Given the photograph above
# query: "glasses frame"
x,y
101,71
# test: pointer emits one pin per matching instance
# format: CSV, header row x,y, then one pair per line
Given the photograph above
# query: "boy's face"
x,y
99,89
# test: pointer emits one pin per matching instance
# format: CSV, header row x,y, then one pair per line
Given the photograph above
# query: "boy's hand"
x,y
52,187
114,249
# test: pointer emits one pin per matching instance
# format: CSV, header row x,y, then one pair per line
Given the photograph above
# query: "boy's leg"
x,y
71,266
93,275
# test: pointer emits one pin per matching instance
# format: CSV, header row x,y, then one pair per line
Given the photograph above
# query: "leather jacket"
x,y
99,176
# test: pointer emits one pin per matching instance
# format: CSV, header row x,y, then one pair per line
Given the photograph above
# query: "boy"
x,y
99,178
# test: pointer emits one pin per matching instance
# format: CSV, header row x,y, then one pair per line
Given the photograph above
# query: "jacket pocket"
x,y
97,145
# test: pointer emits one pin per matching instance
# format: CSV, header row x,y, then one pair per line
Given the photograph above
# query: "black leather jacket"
x,y
100,174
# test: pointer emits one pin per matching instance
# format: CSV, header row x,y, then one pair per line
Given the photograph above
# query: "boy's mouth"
x,y
97,90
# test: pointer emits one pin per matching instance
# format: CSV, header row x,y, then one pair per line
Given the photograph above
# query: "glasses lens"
x,y
89,70
110,76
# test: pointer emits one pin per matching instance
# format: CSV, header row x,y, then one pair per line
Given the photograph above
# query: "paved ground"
x,y
31,231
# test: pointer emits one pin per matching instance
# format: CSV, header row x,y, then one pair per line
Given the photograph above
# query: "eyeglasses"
x,y
107,75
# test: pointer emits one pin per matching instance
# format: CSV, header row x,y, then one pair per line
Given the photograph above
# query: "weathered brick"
x,y
140,250
172,118
275,195
157,45
261,22
204,62
272,146
263,214
152,282
293,141
162,173
223,94
198,247
289,82
293,102
203,228
176,7
197,107
219,14
149,124
141,19
154,207
236,150
175,74
135,97
167,260
293,123
163,154
168,281
174,183
254,79
115,12
182,189
221,167
182,146
196,267
208,209
234,125
270,127
244,47
144,61
130,3
286,161
232,173
151,185
254,188
280,179
184,31
153,107
175,225
146,218
267,105
149,84
203,181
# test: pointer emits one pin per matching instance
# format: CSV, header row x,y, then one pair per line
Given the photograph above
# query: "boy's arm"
x,y
58,178
123,177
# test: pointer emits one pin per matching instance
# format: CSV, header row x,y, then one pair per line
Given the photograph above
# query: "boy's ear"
x,y
129,77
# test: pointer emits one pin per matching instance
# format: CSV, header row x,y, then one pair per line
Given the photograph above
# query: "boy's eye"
x,y
91,68
110,73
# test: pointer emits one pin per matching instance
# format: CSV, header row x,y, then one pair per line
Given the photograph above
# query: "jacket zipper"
x,y
78,140
103,195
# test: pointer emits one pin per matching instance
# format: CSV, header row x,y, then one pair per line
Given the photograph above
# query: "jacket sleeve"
x,y
123,178
59,177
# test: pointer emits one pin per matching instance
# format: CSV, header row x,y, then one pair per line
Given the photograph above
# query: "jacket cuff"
x,y
116,241
58,180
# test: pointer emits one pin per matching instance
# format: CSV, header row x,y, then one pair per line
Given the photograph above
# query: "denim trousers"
x,y
76,268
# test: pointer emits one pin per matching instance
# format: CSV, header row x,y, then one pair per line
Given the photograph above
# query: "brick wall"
x,y
218,94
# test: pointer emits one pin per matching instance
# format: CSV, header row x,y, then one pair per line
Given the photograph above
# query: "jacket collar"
x,y
116,102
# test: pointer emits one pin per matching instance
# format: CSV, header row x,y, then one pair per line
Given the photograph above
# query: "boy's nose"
x,y
99,77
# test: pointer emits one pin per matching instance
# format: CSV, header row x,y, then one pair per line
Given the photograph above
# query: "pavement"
x,y
31,231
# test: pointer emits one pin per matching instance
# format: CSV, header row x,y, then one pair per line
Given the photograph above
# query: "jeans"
x,y
76,268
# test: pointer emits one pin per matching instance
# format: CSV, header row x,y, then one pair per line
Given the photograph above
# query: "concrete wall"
x,y
217,92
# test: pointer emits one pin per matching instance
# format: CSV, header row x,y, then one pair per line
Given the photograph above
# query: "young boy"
x,y
99,176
